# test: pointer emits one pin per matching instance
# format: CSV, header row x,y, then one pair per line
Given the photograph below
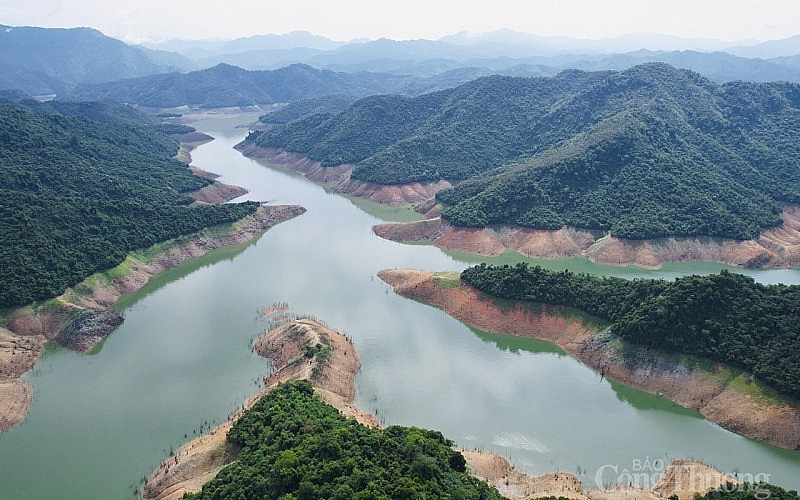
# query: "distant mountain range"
x,y
42,61
645,152
226,85
500,51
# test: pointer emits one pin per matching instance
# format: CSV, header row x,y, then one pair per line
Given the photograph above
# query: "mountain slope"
x,y
646,152
53,60
77,195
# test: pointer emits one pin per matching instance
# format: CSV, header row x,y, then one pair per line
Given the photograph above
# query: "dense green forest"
x,y
724,317
749,491
646,152
77,195
293,445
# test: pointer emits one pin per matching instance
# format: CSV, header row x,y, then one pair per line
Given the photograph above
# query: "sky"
x,y
138,21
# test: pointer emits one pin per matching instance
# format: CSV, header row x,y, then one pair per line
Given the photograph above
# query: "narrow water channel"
x,y
181,361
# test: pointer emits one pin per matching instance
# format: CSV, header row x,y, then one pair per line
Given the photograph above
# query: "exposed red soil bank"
x,y
775,247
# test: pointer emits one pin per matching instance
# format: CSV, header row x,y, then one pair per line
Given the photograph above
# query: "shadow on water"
x,y
641,400
164,278
515,344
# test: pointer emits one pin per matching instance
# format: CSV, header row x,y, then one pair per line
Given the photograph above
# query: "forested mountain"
x,y
724,317
225,85
293,445
77,195
53,60
646,152
106,111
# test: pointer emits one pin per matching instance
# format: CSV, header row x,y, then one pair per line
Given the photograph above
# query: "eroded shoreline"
x,y
339,177
774,248
777,247
80,318
763,419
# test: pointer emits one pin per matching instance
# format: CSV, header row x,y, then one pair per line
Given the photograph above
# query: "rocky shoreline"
x,y
769,420
777,247
339,177
80,318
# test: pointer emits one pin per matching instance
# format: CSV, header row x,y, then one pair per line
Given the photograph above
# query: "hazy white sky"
x,y
153,20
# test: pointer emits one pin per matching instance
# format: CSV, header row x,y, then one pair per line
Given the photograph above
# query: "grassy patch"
x,y
515,343
446,279
749,385
383,211
416,242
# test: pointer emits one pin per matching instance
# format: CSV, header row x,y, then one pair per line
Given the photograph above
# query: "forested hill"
x,y
293,445
77,195
646,152
226,85
724,317
106,111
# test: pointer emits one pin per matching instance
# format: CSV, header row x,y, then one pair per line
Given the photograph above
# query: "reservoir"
x,y
181,362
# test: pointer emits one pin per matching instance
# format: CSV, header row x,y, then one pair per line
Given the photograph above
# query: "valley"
x,y
212,306
477,265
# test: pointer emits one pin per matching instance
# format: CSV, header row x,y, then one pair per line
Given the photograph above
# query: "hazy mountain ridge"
x,y
52,60
645,152
107,112
55,61
225,85
501,50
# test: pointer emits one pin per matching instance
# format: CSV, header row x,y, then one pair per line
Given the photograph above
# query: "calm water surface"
x,y
181,362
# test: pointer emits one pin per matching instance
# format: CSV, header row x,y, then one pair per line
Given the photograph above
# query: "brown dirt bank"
x,y
339,176
216,193
775,247
765,419
193,139
334,380
79,319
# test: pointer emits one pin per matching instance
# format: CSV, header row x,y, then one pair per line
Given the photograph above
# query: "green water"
x,y
181,361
